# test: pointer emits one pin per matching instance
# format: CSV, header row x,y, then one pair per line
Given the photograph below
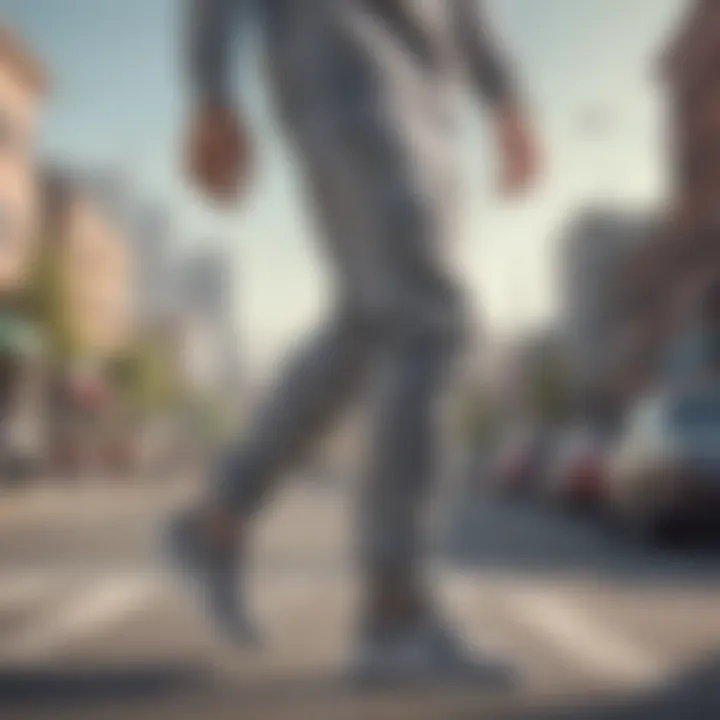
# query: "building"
x,y
599,247
691,72
663,283
98,273
206,283
22,86
152,236
95,263
207,305
149,234
81,290
692,78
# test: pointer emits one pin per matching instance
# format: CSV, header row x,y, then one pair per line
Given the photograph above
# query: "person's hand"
x,y
519,152
219,152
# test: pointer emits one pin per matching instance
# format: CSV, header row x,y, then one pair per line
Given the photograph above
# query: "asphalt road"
x,y
91,624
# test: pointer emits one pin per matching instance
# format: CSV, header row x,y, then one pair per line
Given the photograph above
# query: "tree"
x,y
46,299
146,378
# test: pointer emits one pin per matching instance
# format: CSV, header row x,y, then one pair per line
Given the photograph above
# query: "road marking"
x,y
491,610
576,633
476,616
23,588
107,603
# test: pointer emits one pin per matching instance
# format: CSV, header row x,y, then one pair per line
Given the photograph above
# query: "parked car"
x,y
664,475
519,465
577,473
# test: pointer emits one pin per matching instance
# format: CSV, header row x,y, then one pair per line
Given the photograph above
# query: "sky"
x,y
588,68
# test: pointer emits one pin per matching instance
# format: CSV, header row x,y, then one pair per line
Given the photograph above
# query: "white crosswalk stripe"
x,y
593,644
73,613
17,590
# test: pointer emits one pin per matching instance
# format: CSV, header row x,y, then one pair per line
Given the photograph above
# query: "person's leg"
x,y
320,379
419,315
313,389
424,328
403,463
209,541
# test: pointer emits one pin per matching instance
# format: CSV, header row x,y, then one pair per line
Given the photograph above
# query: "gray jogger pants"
x,y
386,222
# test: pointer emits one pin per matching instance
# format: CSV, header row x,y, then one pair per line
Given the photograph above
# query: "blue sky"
x,y
118,99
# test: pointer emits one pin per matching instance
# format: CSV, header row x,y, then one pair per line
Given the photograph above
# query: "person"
x,y
365,91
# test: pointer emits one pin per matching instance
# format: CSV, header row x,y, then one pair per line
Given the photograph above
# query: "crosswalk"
x,y
545,627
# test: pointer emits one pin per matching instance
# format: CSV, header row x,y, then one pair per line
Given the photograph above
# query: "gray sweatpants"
x,y
383,193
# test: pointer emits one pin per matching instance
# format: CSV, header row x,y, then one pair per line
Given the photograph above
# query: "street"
x,y
92,625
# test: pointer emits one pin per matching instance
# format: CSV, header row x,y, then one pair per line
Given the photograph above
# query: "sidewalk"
x,y
48,497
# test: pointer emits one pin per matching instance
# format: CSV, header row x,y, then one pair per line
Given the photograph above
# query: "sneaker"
x,y
215,576
428,653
